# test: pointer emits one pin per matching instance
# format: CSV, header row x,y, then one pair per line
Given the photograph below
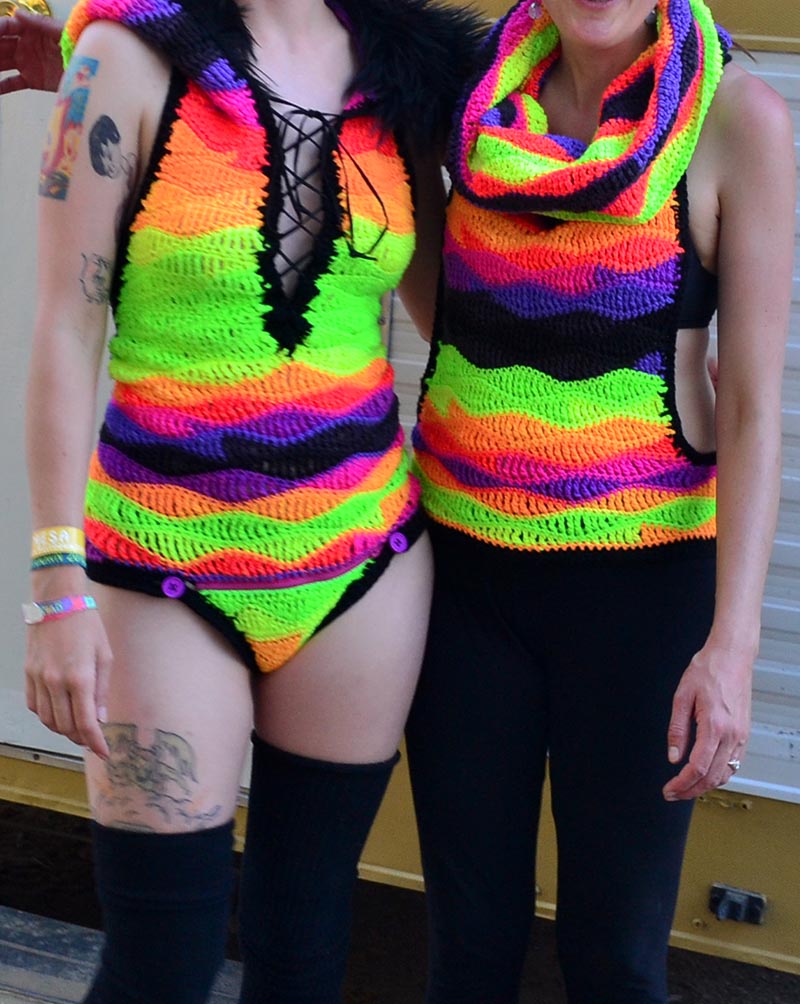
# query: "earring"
x,y
651,18
535,10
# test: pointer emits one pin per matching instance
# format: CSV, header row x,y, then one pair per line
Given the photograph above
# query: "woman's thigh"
x,y
345,696
179,718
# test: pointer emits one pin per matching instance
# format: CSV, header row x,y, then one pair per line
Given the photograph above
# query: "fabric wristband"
x,y
50,610
62,558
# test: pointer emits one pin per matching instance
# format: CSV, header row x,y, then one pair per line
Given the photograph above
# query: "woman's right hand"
x,y
67,666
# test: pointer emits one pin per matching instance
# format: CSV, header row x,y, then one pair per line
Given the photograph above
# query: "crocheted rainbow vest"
x,y
548,418
252,442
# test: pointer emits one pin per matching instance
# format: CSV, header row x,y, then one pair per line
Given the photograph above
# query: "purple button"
x,y
173,587
398,542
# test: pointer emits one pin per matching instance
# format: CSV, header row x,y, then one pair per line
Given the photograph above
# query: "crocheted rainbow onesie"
x,y
251,462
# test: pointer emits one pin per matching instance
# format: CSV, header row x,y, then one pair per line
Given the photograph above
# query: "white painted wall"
x,y
23,123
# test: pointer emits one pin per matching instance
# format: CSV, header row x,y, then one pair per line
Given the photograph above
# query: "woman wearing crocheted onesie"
x,y
238,186
614,181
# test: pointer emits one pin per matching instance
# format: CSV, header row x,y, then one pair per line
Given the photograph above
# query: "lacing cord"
x,y
296,180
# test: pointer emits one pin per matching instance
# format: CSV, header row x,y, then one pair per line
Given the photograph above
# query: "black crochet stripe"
x,y
577,346
301,460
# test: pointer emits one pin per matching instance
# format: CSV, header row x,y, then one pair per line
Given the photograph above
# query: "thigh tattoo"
x,y
162,776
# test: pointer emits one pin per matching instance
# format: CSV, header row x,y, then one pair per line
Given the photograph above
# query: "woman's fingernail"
x,y
674,754
670,796
102,715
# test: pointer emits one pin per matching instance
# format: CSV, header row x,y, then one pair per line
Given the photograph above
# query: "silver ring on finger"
x,y
734,764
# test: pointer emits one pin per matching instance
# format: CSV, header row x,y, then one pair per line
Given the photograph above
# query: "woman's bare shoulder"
x,y
749,117
122,51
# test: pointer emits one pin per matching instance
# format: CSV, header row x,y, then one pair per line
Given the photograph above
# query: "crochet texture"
x,y
252,446
548,417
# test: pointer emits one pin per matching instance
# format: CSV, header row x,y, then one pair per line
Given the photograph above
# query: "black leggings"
x,y
575,656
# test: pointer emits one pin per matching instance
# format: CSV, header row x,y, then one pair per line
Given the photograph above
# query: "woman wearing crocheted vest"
x,y
237,184
602,520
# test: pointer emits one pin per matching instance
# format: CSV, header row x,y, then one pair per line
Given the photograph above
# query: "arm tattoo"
x,y
66,127
95,278
105,151
108,160
165,773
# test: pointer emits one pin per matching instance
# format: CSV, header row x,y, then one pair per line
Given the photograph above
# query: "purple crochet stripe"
x,y
653,363
294,424
209,441
233,486
580,487
626,298
219,75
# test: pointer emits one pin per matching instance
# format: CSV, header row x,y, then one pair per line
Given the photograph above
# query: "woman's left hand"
x,y
715,694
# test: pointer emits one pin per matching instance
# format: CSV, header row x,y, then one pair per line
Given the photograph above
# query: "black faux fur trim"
x,y
416,57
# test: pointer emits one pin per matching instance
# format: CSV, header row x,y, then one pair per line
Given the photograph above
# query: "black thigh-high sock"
x,y
166,903
306,826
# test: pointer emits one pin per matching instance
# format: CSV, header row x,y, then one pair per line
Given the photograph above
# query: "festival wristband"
x,y
58,540
50,610
62,558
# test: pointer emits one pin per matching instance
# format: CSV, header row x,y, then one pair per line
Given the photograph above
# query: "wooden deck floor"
x,y
45,961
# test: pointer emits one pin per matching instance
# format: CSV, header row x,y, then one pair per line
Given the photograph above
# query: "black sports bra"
x,y
699,293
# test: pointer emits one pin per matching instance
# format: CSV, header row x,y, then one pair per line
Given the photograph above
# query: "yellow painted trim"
x,y
741,840
391,876
738,953
56,783
777,21
767,43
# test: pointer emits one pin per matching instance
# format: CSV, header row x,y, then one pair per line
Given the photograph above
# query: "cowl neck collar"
x,y
502,155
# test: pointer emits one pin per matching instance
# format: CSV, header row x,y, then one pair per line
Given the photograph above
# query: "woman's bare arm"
x,y
80,201
755,161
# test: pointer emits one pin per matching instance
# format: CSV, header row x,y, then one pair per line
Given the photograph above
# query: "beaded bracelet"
x,y
60,558
37,612
58,540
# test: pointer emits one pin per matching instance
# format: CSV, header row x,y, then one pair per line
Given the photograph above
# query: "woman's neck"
x,y
303,50
573,93
289,20
583,73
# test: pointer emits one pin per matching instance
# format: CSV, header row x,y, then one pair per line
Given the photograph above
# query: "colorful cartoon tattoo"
x,y
65,131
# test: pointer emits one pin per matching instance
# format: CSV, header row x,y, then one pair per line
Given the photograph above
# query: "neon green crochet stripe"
x,y
199,536
666,170
200,289
345,315
530,52
517,169
281,616
585,525
568,405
